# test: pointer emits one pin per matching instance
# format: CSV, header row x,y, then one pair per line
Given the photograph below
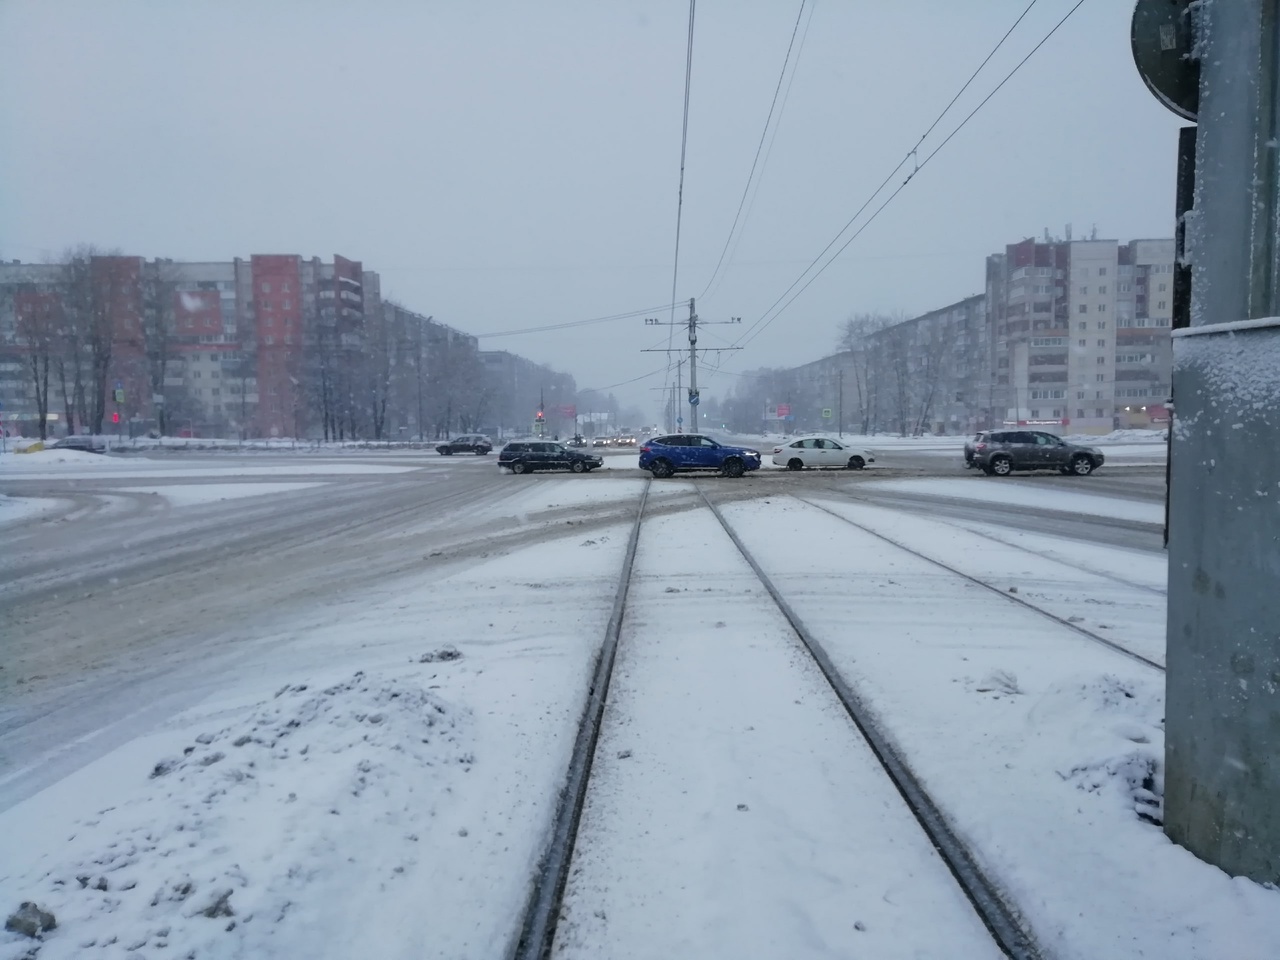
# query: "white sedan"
x,y
821,452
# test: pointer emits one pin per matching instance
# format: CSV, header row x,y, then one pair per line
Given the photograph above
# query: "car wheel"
x,y
577,466
1081,465
661,468
856,463
518,466
1001,466
732,467
795,463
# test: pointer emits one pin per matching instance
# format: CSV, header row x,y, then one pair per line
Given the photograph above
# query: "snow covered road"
x,y
734,810
247,700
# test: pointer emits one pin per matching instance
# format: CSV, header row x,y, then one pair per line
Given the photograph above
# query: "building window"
x,y
271,341
1100,412
1079,412
285,287
1080,396
1035,414
1103,288
266,288
288,305
1101,360
215,391
1102,324
1102,271
1160,305
1098,395
1102,343
1084,291
1083,343
1125,288
1102,308
1161,288
1083,308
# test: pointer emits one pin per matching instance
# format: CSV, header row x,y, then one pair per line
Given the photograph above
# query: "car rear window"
x,y
515,447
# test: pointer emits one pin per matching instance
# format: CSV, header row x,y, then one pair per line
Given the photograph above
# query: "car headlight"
x,y
752,453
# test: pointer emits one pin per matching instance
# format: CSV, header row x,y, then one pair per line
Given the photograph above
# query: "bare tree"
x,y
158,294
37,323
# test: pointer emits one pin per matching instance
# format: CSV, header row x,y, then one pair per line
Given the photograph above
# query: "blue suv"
x,y
663,456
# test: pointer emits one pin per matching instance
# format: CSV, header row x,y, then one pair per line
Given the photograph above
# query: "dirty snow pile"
x,y
245,842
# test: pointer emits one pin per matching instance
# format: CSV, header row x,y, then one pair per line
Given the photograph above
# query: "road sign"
x,y
694,400
679,421
784,411
826,413
157,399
119,395
1162,37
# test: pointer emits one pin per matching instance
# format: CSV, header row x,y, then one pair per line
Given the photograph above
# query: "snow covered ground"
x,y
1007,491
352,746
13,509
370,780
77,464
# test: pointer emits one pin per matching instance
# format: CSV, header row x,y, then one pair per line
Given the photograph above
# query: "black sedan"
x,y
527,456
469,443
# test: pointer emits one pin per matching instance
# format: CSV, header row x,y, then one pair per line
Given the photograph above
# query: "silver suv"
x,y
1000,452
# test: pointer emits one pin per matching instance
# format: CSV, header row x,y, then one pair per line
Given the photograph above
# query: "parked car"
x,y
468,443
88,444
1000,452
821,452
663,456
526,456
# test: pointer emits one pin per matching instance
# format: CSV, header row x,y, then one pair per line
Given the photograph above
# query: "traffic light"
x,y
539,416
115,417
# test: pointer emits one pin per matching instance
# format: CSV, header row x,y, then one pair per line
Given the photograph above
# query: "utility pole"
x,y
840,405
694,396
1216,64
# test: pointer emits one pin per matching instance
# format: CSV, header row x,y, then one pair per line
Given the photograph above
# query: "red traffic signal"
x,y
539,417
115,417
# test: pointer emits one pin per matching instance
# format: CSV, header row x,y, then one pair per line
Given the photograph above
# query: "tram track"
x,y
537,939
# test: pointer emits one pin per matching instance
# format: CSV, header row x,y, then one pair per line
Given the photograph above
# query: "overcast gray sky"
x,y
507,163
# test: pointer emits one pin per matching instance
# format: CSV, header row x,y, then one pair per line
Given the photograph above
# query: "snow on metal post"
x,y
1222,746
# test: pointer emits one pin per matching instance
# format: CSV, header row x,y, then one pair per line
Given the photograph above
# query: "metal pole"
x,y
693,367
1221,760
840,411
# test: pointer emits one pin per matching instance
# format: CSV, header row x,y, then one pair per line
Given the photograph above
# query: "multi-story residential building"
x,y
1080,332
269,346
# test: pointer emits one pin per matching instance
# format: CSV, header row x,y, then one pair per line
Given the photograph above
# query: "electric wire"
x,y
746,189
913,152
575,323
773,138
684,145
749,335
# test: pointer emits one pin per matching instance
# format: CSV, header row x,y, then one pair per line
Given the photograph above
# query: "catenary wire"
x,y
684,146
773,138
757,328
913,152
759,147
575,323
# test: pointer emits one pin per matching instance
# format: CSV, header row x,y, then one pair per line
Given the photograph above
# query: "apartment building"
x,y
1081,332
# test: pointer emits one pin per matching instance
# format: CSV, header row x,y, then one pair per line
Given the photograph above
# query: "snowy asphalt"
x,y
735,813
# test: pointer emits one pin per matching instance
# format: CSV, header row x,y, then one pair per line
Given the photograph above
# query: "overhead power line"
x,y
919,166
684,145
575,323
765,319
746,189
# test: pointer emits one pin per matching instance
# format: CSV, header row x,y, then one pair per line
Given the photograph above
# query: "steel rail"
x,y
1011,597
542,911
1001,918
